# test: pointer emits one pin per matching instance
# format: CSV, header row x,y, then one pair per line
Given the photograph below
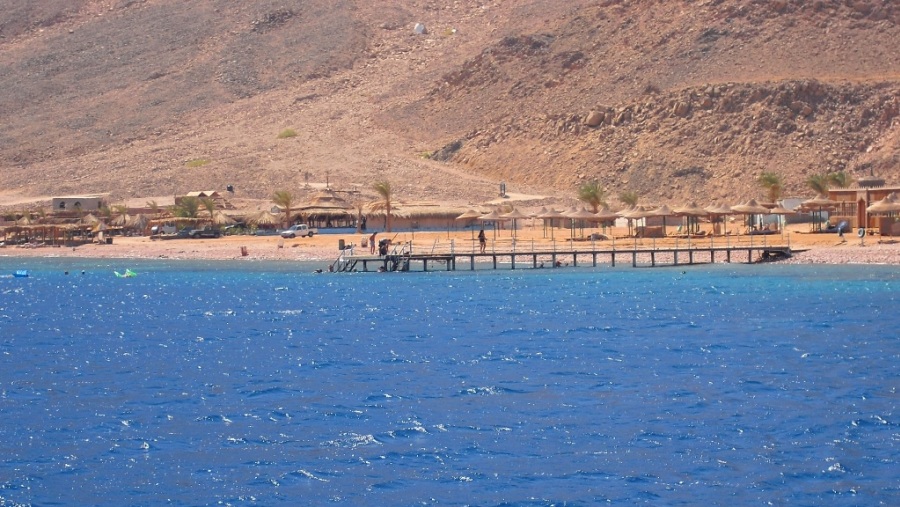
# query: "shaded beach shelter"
x,y
717,213
606,215
750,208
691,212
551,215
493,216
89,219
581,215
265,219
635,213
817,205
781,211
889,206
513,215
220,218
470,216
663,211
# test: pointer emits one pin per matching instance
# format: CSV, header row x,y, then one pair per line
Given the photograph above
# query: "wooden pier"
x,y
638,257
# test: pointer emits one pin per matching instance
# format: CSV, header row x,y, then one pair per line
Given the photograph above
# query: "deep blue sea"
x,y
266,384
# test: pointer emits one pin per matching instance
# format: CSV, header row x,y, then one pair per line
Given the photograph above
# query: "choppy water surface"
x,y
200,384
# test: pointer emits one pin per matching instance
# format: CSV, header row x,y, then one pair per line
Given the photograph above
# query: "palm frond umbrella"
x,y
513,215
138,222
220,218
89,219
750,208
781,211
635,213
551,214
470,216
817,205
121,220
606,215
718,212
493,216
890,205
583,215
663,211
691,212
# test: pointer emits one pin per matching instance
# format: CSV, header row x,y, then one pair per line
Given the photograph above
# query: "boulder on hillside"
x,y
594,119
420,29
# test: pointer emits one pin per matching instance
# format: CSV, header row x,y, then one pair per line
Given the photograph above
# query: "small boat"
x,y
127,274
21,273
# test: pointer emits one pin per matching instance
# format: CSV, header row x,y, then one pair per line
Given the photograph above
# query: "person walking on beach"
x,y
482,240
372,243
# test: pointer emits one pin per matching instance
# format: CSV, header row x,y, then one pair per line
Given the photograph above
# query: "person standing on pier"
x,y
482,240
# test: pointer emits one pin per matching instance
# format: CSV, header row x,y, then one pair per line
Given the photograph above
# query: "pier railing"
x,y
512,253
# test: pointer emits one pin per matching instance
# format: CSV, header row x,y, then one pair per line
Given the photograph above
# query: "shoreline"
x,y
810,248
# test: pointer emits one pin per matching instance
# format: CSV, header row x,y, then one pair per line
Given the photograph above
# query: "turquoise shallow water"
x,y
262,384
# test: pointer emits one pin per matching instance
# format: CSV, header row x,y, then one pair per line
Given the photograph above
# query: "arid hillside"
x,y
672,99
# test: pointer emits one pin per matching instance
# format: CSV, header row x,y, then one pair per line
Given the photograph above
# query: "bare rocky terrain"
x,y
675,100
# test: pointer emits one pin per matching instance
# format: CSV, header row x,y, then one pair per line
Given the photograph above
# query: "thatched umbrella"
x,y
606,215
551,214
663,211
220,218
470,216
583,215
719,211
493,216
890,205
817,205
513,215
750,208
691,212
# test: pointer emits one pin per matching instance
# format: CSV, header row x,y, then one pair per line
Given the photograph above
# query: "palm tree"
x,y
154,207
384,190
839,179
187,208
773,185
629,198
593,194
819,183
209,204
284,199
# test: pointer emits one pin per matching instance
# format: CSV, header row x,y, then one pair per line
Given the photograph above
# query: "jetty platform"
x,y
407,258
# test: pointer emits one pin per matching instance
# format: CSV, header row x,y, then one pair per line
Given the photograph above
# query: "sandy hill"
x,y
671,99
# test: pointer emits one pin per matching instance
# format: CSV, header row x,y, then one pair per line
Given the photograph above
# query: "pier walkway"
x,y
407,257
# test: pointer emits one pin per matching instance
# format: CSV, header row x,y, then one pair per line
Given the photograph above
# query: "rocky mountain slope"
x,y
674,100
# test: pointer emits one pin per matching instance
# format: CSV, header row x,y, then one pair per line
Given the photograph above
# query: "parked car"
x,y
299,230
206,232
238,228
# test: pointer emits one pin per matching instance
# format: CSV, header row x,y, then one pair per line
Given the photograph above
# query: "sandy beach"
x,y
808,247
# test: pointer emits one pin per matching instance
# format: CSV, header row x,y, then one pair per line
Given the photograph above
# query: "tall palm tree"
x,y
839,179
384,190
209,204
773,184
593,194
819,183
284,199
629,198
